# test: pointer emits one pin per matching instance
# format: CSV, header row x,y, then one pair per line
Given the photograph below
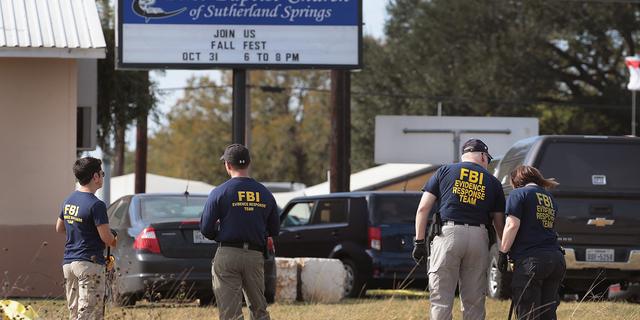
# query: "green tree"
x,y
468,52
290,129
290,136
189,146
122,95
377,76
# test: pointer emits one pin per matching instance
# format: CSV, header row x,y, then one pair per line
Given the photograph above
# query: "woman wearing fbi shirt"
x,y
539,265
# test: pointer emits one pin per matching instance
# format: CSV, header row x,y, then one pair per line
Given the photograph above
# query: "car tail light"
x,y
613,289
374,238
270,243
147,240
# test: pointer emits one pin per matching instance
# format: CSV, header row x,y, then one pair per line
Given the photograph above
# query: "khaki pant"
x,y
459,255
236,271
84,287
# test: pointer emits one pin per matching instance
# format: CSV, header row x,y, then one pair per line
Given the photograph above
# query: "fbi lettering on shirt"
x,y
544,210
249,200
71,213
469,186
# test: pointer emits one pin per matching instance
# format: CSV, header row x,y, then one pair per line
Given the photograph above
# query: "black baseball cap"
x,y
236,154
474,145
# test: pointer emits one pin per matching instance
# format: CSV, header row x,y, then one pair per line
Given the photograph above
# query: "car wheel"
x,y
353,284
499,283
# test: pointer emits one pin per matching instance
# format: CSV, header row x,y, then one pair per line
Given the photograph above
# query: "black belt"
x,y
463,223
240,245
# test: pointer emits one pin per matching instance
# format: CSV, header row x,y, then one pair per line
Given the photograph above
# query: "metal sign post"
x,y
633,113
238,117
634,85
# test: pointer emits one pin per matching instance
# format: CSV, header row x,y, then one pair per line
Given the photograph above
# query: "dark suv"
x,y
370,232
598,207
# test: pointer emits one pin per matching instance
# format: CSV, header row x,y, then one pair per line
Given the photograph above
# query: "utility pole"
x,y
247,118
141,148
238,118
340,141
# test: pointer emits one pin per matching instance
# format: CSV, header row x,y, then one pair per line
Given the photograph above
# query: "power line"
x,y
565,104
413,96
192,88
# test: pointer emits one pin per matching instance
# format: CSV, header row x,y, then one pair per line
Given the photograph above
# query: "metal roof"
x,y
368,179
51,29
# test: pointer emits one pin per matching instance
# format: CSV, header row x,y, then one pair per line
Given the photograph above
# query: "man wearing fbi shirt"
x,y
468,193
246,210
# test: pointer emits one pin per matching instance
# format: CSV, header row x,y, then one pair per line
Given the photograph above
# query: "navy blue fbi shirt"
x,y
467,192
536,210
82,212
246,210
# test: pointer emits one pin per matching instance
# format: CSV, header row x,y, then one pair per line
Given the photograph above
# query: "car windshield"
x,y
394,209
172,208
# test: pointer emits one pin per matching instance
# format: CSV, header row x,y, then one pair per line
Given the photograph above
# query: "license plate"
x,y
600,255
199,238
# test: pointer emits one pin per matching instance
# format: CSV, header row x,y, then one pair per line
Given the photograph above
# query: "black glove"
x,y
420,252
503,262
114,233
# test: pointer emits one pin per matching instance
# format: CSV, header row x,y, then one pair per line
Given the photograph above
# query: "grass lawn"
x,y
381,305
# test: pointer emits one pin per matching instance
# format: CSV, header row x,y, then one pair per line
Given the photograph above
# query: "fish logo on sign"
x,y
144,9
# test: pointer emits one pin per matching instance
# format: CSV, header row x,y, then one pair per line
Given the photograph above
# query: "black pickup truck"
x,y
598,219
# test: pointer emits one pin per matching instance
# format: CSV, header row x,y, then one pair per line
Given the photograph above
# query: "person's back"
x,y
467,194
537,221
251,207
247,214
82,213
538,263
83,219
